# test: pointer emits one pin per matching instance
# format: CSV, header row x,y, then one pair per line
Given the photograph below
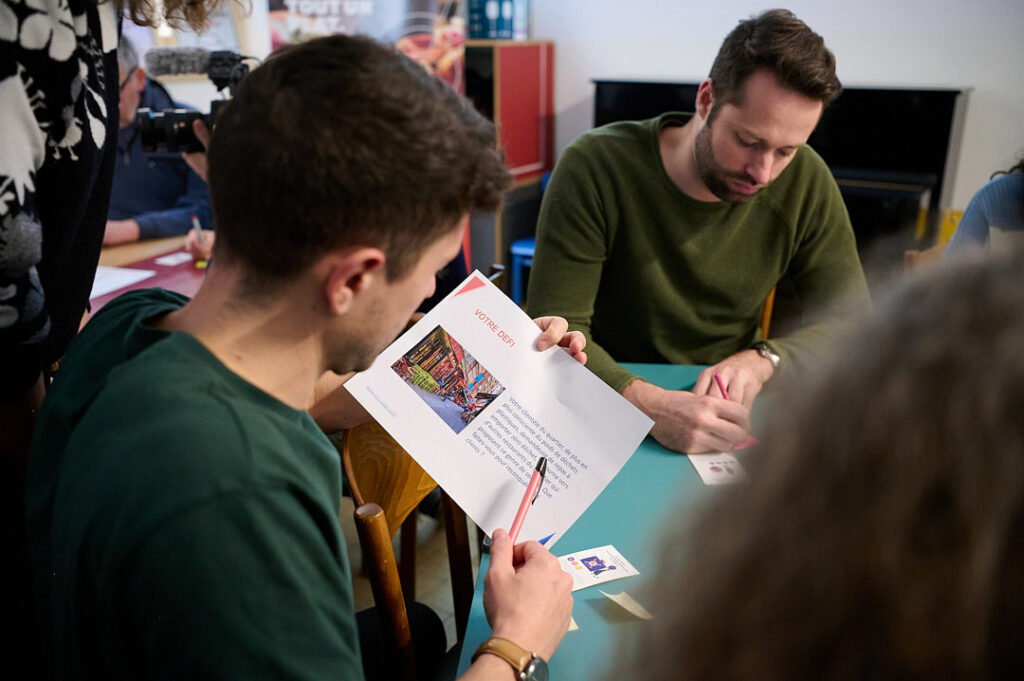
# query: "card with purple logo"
x,y
596,566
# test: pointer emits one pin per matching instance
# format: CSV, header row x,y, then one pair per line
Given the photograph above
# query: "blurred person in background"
x,y
154,195
994,214
880,536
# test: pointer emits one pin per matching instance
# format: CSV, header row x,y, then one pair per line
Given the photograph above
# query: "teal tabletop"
x,y
655,489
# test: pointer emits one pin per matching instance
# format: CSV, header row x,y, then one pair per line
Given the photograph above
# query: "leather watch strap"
x,y
515,655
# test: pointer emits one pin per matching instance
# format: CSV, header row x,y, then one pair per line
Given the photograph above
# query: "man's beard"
x,y
716,178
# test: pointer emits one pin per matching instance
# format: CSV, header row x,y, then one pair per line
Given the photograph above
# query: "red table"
x,y
182,278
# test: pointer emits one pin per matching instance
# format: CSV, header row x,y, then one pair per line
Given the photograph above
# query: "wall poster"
x,y
432,32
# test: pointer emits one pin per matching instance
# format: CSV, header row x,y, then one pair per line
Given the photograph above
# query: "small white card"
x,y
596,566
718,468
630,604
172,259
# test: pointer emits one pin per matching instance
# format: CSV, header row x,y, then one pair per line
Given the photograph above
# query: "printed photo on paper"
x,y
450,380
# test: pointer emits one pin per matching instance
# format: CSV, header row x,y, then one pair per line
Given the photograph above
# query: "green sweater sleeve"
x,y
573,242
826,274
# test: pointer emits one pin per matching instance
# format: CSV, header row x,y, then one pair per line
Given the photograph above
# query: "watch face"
x,y
766,352
536,670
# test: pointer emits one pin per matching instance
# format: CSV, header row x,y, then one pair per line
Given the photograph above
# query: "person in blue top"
x,y
154,195
999,204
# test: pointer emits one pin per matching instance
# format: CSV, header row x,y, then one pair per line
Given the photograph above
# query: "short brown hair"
x,y
779,42
341,141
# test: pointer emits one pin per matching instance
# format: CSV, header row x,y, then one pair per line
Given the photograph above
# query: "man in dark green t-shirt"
x,y
182,504
661,239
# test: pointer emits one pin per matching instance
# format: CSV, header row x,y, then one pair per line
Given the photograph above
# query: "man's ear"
x,y
705,98
349,274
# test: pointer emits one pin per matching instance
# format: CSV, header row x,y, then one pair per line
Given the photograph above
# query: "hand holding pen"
x,y
527,595
751,440
199,243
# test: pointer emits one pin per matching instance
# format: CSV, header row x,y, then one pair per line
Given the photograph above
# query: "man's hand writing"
x,y
199,243
743,374
690,423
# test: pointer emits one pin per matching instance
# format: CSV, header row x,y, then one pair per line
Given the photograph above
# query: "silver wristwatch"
x,y
766,351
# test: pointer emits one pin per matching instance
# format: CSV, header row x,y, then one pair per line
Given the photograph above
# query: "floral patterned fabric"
x,y
58,111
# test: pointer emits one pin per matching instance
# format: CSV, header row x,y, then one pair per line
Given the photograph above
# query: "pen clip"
x,y
542,468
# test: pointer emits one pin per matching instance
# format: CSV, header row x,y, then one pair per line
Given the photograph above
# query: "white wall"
x,y
911,43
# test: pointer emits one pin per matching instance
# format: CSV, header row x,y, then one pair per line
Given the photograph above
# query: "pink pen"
x,y
721,386
532,491
750,440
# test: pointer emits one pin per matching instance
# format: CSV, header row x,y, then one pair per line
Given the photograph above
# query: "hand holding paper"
x,y
477,395
556,332
335,409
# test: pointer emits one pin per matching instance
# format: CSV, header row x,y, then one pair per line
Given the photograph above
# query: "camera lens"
x,y
168,130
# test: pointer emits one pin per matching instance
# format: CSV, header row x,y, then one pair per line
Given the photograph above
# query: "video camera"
x,y
171,129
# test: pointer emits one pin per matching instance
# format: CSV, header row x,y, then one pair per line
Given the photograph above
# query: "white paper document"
x,y
468,395
113,278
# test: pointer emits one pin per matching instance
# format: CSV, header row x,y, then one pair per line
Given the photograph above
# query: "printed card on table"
x,y
718,468
596,566
468,395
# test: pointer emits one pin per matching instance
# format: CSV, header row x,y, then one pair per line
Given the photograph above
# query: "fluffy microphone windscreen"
x,y
173,61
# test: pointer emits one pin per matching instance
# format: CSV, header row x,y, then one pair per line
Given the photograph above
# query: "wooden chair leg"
x,y
459,562
375,541
407,556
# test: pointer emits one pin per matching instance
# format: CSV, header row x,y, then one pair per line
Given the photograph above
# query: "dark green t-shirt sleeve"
x,y
244,586
573,242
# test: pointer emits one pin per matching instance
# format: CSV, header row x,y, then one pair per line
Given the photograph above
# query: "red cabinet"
x,y
512,83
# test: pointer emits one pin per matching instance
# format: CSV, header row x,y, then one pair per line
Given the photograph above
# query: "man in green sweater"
x,y
182,505
661,239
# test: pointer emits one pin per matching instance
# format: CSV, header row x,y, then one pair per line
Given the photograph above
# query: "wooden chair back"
x,y
387,486
766,313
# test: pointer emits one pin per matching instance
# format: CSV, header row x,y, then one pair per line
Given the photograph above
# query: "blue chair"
x,y
522,252
522,256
